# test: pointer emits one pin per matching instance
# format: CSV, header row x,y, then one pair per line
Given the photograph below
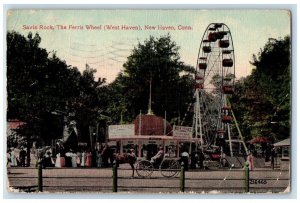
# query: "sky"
x,y
106,50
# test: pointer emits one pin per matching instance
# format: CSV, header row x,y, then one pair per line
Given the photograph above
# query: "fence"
x,y
120,180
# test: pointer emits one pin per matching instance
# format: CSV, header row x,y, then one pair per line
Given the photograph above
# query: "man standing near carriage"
x,y
184,157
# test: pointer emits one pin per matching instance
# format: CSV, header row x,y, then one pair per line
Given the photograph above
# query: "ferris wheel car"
x,y
224,43
228,89
207,49
202,66
227,62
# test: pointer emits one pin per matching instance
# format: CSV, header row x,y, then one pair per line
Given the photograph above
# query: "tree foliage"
x,y
262,100
157,61
39,83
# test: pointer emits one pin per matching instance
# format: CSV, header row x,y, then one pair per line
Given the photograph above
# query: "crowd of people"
x,y
103,156
266,151
100,157
17,157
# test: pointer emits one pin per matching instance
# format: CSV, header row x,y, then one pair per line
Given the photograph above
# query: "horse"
x,y
129,158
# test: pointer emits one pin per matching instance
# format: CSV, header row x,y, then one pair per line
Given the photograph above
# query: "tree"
x,y
157,61
90,104
24,62
262,99
39,83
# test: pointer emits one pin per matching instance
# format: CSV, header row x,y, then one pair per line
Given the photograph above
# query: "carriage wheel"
x,y
169,168
144,168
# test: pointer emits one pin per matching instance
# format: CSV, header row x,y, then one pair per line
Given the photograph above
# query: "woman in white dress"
x,y
57,162
83,155
13,157
78,158
74,159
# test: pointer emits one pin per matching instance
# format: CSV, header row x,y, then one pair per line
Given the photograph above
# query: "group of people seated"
x,y
159,156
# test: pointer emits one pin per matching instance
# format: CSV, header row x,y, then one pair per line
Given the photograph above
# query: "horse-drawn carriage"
x,y
168,167
146,147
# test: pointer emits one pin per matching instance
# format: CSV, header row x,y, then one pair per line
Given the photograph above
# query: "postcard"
x,y
148,101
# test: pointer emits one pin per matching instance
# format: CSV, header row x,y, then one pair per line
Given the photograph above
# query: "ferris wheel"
x,y
214,82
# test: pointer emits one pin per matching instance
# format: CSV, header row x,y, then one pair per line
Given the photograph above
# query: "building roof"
x,y
286,142
14,124
151,125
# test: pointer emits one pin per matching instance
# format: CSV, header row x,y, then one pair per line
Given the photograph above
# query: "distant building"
x,y
11,132
12,126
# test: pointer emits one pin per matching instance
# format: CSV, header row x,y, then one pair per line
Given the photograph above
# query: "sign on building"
x,y
182,131
120,130
155,142
130,142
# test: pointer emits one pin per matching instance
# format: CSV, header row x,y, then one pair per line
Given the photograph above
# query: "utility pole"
x,y
149,105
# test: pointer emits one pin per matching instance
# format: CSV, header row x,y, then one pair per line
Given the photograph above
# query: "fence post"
x,y
40,176
182,178
115,177
246,176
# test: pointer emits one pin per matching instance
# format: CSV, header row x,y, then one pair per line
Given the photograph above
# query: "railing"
x,y
120,180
